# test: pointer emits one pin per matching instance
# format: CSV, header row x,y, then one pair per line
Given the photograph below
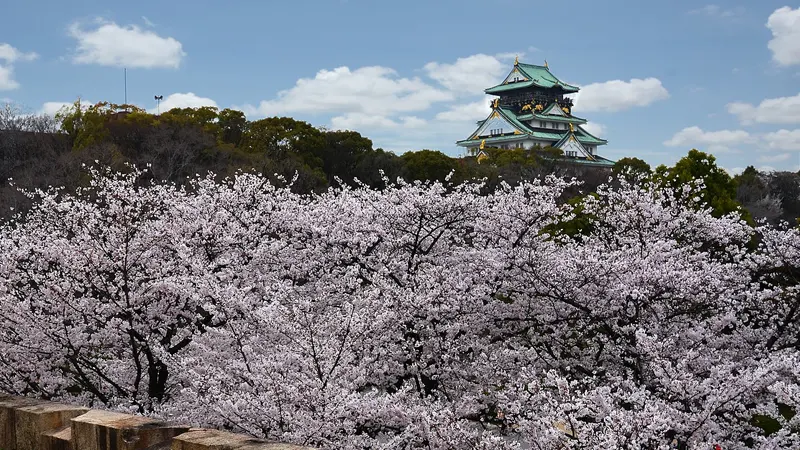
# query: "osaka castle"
x,y
531,109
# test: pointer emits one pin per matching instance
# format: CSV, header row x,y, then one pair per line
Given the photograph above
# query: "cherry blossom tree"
x,y
97,287
421,315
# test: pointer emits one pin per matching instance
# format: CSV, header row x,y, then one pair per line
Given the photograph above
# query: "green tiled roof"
x,y
598,161
538,116
540,135
509,87
537,76
563,140
550,108
543,73
494,139
529,133
511,117
587,138
547,136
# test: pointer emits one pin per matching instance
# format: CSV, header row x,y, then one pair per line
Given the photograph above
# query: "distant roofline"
x,y
532,80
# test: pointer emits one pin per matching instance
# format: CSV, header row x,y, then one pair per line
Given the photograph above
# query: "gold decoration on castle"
x,y
565,109
539,107
571,128
516,60
545,64
483,144
527,107
496,103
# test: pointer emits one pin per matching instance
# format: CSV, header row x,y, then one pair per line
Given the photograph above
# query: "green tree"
x,y
232,125
428,165
786,186
370,164
205,117
278,137
580,225
87,126
719,191
342,152
632,168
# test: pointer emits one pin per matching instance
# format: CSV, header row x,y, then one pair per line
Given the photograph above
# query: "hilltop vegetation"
x,y
40,151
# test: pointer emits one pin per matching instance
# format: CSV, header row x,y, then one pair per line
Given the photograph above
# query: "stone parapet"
x,y
32,424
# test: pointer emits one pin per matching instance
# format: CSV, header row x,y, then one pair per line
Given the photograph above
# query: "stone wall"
x,y
31,424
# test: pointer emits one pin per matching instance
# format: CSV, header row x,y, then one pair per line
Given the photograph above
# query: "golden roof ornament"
x,y
571,128
516,60
496,103
483,144
545,64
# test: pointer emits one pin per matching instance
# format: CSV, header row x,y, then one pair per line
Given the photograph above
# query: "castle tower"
x,y
532,110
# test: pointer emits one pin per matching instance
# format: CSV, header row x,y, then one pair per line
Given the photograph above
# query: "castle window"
x,y
572,153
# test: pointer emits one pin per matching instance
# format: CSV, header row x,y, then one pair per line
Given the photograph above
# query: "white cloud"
x,y
713,141
775,158
718,12
594,128
368,90
469,75
466,112
361,121
390,107
51,108
129,46
8,56
738,170
783,140
187,100
7,81
772,110
619,95
785,43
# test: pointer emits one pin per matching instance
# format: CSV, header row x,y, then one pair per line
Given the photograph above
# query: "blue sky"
x,y
657,78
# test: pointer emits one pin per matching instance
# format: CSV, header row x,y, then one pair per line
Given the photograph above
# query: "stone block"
x,y
59,439
35,420
205,439
106,430
8,419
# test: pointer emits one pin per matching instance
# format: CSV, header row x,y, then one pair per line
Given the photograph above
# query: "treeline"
x,y
38,151
771,196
